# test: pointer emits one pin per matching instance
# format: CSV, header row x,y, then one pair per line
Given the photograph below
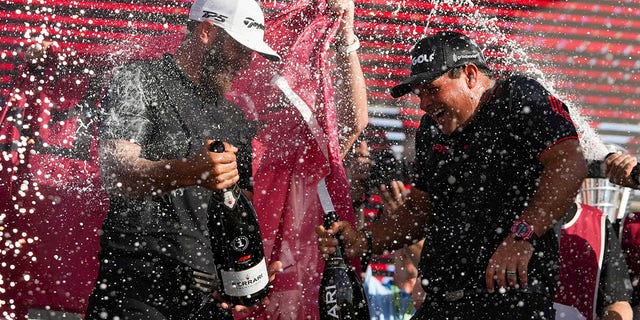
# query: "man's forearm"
x,y
406,226
352,110
124,172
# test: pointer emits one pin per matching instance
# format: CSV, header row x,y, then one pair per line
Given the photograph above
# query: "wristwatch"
x,y
522,230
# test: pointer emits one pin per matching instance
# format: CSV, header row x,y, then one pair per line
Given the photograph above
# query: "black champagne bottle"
x,y
237,243
341,293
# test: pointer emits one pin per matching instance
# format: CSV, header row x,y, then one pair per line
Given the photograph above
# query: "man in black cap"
x,y
498,162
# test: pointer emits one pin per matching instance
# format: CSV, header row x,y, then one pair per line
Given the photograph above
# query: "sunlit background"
x,y
587,51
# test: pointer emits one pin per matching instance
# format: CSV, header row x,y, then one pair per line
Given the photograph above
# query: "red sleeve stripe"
x,y
555,143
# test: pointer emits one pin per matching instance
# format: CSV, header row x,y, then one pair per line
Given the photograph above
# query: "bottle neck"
x,y
336,259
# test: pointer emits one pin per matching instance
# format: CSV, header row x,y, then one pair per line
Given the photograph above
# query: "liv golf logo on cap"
x,y
423,58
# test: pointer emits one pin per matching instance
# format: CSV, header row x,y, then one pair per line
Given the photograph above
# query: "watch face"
x,y
522,230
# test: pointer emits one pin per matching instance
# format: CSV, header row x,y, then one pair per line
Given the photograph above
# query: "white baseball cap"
x,y
243,20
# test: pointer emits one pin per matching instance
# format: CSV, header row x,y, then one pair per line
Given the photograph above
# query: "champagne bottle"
x,y
237,242
341,293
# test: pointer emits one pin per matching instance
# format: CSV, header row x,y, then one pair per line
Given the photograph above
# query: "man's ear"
x,y
207,31
472,73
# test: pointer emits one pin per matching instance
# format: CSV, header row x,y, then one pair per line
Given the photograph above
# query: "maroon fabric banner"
x,y
296,147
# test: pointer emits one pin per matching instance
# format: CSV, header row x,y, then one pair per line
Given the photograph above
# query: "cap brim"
x,y
421,78
258,46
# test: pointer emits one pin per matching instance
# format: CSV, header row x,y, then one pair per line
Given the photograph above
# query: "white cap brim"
x,y
258,46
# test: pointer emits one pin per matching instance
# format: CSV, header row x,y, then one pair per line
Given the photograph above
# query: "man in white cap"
x,y
158,120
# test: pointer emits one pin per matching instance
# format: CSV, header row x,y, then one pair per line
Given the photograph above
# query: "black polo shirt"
x,y
480,179
155,105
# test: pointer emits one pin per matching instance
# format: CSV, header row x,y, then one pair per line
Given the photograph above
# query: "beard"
x,y
214,81
215,84
217,71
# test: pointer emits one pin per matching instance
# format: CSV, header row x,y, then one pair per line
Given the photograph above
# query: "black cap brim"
x,y
405,86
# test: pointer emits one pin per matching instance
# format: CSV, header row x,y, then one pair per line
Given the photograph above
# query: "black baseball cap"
x,y
435,55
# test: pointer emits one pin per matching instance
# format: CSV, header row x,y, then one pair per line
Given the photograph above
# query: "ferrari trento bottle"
x,y
341,293
237,243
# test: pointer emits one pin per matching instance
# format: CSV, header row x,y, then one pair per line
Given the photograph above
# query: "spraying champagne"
x,y
234,229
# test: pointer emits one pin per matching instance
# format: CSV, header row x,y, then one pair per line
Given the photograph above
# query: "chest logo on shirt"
x,y
440,148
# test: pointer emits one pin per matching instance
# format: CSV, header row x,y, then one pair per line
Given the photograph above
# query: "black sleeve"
x,y
543,119
615,284
124,109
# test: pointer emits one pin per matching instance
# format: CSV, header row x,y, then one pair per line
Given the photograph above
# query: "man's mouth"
x,y
438,114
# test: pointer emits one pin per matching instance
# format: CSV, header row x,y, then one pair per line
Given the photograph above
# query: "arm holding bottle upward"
x,y
351,91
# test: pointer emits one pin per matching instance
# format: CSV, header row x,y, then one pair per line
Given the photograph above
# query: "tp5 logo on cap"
x,y
214,16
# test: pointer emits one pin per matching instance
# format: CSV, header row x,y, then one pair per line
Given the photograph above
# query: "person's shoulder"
x,y
230,108
591,211
132,72
524,83
132,66
632,217
526,90
234,114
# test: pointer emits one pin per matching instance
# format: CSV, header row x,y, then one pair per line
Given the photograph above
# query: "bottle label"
x,y
330,298
229,199
245,282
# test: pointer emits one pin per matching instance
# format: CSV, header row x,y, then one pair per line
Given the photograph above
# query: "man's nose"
x,y
425,102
